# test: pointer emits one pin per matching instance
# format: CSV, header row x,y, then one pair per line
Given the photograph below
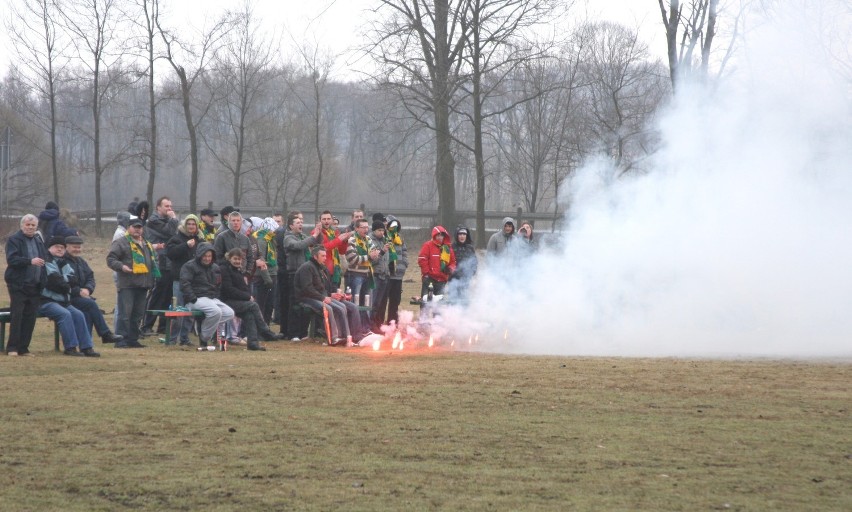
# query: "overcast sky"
x,y
336,24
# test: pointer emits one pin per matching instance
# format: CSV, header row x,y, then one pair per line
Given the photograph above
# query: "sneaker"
x,y
13,354
186,343
256,346
90,352
109,337
271,336
239,341
338,340
147,332
72,352
295,338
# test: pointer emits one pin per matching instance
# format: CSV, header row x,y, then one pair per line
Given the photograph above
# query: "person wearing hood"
x,y
236,294
397,265
266,279
135,262
465,255
499,241
180,249
437,261
200,280
56,305
50,223
25,278
122,220
142,210
526,236
160,228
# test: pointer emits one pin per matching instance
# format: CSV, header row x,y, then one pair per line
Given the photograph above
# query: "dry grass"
x,y
306,427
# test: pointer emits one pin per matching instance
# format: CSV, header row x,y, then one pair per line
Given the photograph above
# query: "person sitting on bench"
x,y
57,302
199,283
235,293
82,289
312,286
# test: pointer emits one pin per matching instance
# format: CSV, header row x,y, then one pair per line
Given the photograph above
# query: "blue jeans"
x,y
71,322
94,317
184,324
358,282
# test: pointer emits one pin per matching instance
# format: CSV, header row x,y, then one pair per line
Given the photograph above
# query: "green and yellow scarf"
x,y
271,256
445,258
139,266
363,249
331,234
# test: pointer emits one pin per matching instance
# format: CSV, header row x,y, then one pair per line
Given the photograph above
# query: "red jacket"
x,y
330,245
430,257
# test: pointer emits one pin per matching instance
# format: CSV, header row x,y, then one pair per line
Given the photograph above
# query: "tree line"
x,y
466,105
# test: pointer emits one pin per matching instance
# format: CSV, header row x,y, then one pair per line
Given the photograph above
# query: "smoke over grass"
x,y
736,243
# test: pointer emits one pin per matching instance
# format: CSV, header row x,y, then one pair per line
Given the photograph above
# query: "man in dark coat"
x,y
25,278
160,228
200,280
135,263
50,223
82,288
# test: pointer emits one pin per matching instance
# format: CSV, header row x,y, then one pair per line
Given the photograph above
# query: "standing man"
x,y
266,279
160,228
357,214
82,288
135,263
297,246
335,244
360,255
499,241
381,274
206,228
25,278
397,265
233,238
437,261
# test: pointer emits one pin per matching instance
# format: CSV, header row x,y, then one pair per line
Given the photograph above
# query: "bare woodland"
x,y
469,105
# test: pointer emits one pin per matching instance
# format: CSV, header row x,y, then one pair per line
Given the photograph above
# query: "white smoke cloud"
x,y
737,243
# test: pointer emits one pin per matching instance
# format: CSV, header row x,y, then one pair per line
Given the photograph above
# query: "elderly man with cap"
x,y
82,288
56,296
135,263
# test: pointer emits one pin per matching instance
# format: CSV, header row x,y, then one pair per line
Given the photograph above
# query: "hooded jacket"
x,y
401,265
465,255
199,280
312,281
499,241
50,224
177,249
430,257
380,266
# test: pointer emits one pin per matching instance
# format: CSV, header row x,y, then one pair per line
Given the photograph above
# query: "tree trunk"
x,y
152,171
97,139
444,162
319,150
478,152
193,139
53,159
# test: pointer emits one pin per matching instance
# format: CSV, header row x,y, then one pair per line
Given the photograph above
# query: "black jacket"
x,y
83,276
197,280
179,253
312,281
234,285
159,230
18,276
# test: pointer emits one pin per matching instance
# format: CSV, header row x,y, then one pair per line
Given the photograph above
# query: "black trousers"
x,y
297,327
22,318
160,298
283,292
265,297
394,298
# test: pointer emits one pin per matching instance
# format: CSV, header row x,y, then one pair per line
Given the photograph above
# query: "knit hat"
x,y
377,224
224,212
379,217
51,206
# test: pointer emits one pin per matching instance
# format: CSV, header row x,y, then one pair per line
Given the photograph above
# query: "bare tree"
x,y
495,28
180,53
33,27
93,26
419,47
244,70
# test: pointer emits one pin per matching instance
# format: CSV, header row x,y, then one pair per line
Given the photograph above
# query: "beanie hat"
x,y
56,240
51,206
377,224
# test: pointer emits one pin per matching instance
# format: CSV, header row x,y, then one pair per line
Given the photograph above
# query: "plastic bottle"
x,y
431,294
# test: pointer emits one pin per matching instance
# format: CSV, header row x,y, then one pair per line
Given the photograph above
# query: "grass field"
x,y
306,427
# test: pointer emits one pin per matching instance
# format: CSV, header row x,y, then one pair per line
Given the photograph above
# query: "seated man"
x,y
82,288
57,302
235,293
312,286
199,283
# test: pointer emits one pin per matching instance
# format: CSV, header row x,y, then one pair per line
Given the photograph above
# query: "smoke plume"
x,y
736,243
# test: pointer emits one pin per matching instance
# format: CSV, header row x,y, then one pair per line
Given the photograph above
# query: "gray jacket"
x,y
380,266
499,241
296,246
120,254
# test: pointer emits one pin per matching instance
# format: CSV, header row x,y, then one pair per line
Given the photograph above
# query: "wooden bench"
x,y
5,318
168,315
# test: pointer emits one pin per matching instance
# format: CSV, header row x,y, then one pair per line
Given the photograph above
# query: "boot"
x,y
109,337
254,345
